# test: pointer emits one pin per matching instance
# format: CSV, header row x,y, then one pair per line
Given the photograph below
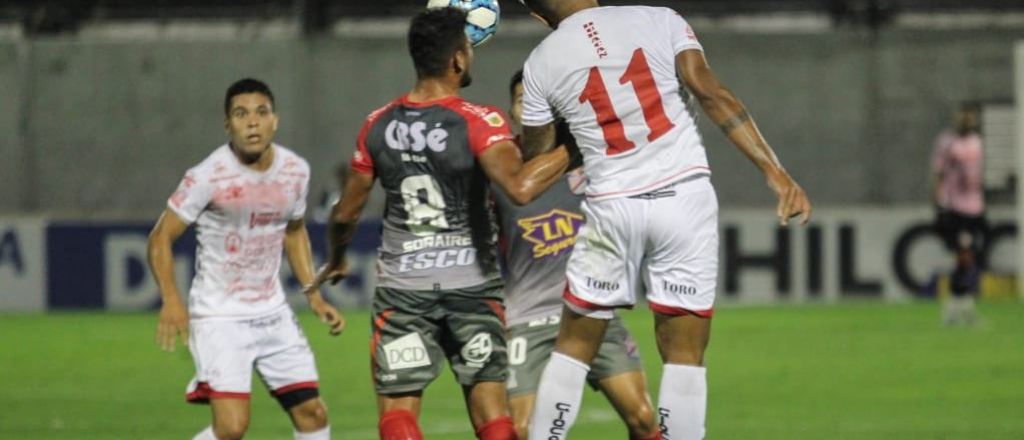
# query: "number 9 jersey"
x,y
616,85
439,231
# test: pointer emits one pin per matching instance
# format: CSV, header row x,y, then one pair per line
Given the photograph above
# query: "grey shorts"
x,y
414,332
530,345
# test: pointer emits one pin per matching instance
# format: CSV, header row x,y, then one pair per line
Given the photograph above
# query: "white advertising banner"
x,y
22,270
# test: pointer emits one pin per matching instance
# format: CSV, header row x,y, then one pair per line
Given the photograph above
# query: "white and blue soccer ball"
x,y
481,17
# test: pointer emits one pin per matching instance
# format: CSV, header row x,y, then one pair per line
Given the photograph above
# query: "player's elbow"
x,y
520,194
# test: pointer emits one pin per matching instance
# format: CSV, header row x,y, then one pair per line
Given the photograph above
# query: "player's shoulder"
x,y
479,112
375,115
216,163
291,161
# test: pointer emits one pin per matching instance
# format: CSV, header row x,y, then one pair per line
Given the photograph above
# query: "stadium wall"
x,y
875,254
105,129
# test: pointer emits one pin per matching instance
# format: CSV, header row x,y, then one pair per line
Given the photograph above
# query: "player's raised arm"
x,y
341,227
523,182
300,257
173,314
726,110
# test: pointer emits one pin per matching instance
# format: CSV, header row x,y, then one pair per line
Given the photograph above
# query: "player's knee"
x,y
640,419
231,429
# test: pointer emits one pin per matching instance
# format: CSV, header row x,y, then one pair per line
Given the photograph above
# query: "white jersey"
x,y
611,73
240,216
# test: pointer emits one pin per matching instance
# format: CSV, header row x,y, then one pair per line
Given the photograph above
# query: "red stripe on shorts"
x,y
568,296
498,309
296,386
378,326
678,311
203,393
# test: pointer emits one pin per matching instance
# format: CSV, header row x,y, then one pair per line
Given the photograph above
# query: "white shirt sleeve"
x,y
536,110
683,37
191,198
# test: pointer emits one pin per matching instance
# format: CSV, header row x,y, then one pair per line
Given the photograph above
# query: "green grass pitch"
x,y
852,371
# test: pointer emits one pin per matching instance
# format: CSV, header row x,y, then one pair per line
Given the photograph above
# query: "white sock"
x,y
323,434
558,397
682,402
207,434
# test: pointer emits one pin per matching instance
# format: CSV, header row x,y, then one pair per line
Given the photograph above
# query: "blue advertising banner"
x,y
103,266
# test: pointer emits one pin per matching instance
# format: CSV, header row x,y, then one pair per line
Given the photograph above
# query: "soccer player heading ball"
x,y
439,295
614,74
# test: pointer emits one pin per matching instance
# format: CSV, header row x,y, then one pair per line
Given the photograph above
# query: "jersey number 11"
x,y
639,74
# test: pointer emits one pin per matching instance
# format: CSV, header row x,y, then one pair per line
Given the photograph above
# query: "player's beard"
x,y
466,80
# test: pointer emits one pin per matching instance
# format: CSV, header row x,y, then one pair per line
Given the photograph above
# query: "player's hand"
x,y
792,199
328,272
327,313
173,323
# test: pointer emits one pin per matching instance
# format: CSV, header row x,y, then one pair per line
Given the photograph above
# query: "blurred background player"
x,y
330,196
614,74
247,200
539,238
439,293
957,163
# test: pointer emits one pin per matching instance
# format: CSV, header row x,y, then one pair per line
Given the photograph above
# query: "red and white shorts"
x,y
226,351
664,243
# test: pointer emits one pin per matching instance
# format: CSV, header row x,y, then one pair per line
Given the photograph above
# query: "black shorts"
x,y
961,232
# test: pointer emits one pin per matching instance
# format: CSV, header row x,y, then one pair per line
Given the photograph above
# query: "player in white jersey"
x,y
614,74
247,200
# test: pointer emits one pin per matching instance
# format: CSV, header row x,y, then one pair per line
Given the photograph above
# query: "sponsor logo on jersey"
x,y
406,352
416,136
494,119
437,259
478,350
552,233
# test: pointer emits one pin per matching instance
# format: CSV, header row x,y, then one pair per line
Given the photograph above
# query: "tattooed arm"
x,y
725,110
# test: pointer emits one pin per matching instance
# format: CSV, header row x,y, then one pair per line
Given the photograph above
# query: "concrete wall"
x,y
100,128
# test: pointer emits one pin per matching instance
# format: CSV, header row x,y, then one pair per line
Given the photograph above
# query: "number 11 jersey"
x,y
611,73
439,231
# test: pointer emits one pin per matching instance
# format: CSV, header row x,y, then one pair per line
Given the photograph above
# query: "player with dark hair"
x,y
957,165
439,294
247,200
539,238
614,74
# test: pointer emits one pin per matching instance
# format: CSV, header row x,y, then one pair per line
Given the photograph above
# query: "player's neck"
x,y
433,89
261,162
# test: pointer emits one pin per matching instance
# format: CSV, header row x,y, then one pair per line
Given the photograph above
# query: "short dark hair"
x,y
434,36
517,79
247,85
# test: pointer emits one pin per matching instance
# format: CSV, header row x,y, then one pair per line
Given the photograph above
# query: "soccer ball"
x,y
481,18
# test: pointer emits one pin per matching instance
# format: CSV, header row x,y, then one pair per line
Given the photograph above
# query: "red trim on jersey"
x,y
296,386
498,309
654,185
203,393
362,162
480,128
678,311
378,326
444,102
568,296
